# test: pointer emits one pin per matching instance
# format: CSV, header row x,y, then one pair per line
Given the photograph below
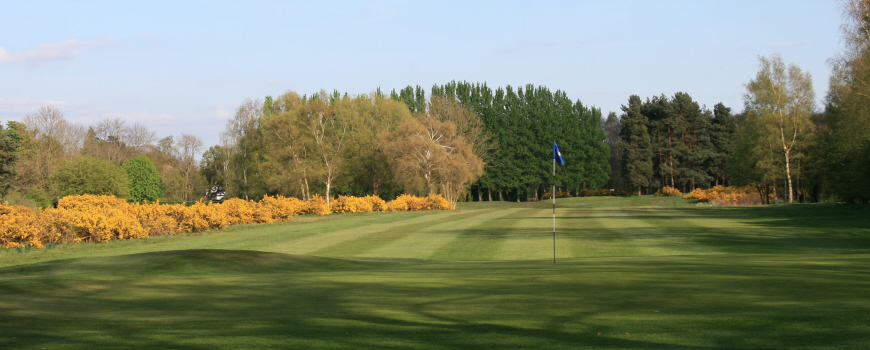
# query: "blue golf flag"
x,y
557,156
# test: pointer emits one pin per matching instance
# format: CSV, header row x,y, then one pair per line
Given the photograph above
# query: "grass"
x,y
632,273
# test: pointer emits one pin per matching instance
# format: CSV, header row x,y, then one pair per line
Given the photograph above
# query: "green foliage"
x,y
523,123
17,198
674,142
845,141
779,103
723,134
88,175
8,157
636,145
144,180
39,196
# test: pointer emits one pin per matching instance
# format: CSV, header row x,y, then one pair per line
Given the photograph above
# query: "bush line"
x,y
92,218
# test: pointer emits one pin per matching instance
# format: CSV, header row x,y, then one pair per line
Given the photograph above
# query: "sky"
x,y
184,66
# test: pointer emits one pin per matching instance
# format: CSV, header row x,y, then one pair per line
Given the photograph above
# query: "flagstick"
x,y
554,210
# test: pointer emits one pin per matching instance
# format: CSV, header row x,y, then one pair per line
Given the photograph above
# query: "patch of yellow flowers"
x,y
90,218
721,195
669,191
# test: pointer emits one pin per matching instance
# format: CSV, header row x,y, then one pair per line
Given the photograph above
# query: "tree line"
x,y
467,141
781,143
45,157
520,126
772,145
462,141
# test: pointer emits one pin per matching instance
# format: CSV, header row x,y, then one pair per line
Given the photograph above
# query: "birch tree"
x,y
187,148
781,99
289,147
432,158
241,136
329,126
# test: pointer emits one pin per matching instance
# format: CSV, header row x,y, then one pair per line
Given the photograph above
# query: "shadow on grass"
x,y
257,300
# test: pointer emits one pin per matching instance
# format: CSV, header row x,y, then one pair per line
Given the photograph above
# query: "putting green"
x,y
631,273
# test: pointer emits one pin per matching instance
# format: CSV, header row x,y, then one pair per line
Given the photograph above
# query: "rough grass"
x,y
632,273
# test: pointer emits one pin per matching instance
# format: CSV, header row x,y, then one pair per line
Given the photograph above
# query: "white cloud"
x,y
222,113
24,105
66,50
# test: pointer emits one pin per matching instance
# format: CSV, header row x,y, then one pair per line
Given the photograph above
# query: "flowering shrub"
x,y
156,219
669,191
407,202
721,195
240,211
100,218
281,208
317,206
377,203
18,226
549,195
347,204
437,202
90,218
201,216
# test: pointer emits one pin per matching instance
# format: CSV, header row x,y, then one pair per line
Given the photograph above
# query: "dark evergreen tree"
x,y
8,157
636,145
723,133
611,127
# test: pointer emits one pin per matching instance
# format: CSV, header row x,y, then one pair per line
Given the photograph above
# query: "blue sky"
x,y
184,67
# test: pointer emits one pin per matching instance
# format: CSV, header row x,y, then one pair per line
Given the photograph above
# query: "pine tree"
x,y
723,133
636,144
8,157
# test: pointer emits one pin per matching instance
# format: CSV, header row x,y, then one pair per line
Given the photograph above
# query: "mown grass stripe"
x,y
479,241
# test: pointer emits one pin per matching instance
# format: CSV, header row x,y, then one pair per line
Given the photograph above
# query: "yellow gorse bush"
x,y
669,191
19,226
99,218
90,218
721,195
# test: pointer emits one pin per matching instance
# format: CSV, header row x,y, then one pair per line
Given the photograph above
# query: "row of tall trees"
x,y
463,136
332,144
516,136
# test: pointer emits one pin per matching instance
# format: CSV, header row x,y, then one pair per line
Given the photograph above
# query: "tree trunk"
x,y
307,190
788,174
639,193
328,184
